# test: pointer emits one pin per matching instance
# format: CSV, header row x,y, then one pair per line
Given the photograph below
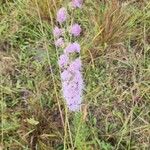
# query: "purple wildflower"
x,y
75,65
57,32
75,30
62,15
59,42
71,76
77,47
72,47
77,3
63,60
73,94
72,83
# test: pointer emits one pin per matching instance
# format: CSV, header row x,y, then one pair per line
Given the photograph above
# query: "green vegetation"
x,y
116,60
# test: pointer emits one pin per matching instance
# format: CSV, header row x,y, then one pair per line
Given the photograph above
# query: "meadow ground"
x,y
115,51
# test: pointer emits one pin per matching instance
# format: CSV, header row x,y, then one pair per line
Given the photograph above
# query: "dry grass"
x,y
111,28
7,64
113,24
46,8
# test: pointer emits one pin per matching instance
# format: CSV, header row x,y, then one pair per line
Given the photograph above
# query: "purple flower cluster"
x,y
71,77
75,30
59,42
57,32
72,47
77,3
72,84
62,15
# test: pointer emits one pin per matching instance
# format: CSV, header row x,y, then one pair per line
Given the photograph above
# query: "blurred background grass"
x,y
116,67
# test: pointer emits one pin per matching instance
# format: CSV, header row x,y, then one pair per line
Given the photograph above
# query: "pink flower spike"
x,y
75,30
59,42
62,15
77,3
57,32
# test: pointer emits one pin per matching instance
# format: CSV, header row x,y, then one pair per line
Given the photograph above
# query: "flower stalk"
x,y
71,66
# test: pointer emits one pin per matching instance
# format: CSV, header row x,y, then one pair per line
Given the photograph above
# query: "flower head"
x,y
72,92
72,85
62,15
75,30
59,42
77,47
77,3
63,60
75,65
74,101
72,47
57,32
